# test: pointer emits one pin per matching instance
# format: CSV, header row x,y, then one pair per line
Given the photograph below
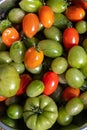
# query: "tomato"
x,y
40,113
83,4
15,111
46,16
33,57
50,80
70,92
2,98
75,13
30,24
70,37
25,81
9,36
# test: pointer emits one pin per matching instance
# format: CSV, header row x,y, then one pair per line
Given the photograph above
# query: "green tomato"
x,y
59,65
17,51
30,5
74,77
15,111
58,6
63,117
35,88
40,113
53,33
77,57
51,48
74,106
9,80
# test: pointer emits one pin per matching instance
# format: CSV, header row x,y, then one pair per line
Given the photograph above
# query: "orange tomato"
x,y
70,92
75,13
33,57
2,98
46,16
9,36
30,24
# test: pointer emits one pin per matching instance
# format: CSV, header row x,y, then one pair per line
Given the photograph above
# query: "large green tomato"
x,y
9,80
40,113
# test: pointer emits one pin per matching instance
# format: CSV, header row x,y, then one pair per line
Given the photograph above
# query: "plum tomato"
x,y
70,37
50,80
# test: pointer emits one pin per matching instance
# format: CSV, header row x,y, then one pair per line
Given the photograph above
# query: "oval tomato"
x,y
75,13
30,24
46,16
70,37
9,36
33,57
25,80
50,80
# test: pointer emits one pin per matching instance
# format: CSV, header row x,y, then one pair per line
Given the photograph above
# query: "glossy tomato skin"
x,y
46,16
50,80
30,24
70,37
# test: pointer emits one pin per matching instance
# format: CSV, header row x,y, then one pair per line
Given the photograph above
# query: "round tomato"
x,y
30,24
40,113
50,80
70,37
9,36
33,57
75,13
46,16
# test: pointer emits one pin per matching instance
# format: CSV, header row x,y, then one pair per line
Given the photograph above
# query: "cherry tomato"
x,y
50,80
2,98
75,13
70,37
25,80
10,35
30,24
70,92
46,16
33,57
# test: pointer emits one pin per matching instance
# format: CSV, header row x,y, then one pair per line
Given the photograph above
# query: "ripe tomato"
x,y
33,57
70,92
70,37
2,98
83,4
50,80
25,80
75,13
10,35
46,16
30,24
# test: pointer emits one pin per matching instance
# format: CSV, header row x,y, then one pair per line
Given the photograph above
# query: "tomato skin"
x,y
9,36
75,13
70,37
33,57
83,4
50,80
46,16
30,24
25,81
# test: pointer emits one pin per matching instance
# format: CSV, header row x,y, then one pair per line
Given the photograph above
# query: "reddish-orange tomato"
x,y
30,24
9,36
70,92
75,13
2,98
46,16
83,3
33,57
25,80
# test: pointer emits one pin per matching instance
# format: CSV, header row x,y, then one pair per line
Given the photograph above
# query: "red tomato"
x,y
30,24
83,3
46,16
75,13
70,37
50,80
25,80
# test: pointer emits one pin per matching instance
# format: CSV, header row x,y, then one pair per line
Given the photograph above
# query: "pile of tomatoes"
x,y
46,43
